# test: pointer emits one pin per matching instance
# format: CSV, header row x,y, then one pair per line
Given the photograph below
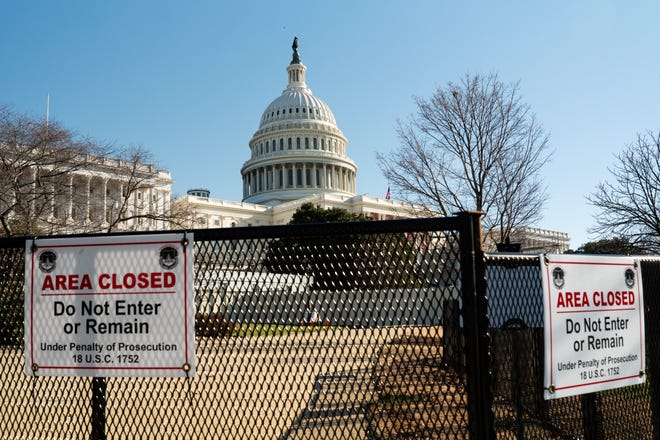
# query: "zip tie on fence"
x,y
34,247
33,382
186,369
186,366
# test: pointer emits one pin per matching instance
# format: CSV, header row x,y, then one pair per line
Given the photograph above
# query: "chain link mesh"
x,y
350,332
516,319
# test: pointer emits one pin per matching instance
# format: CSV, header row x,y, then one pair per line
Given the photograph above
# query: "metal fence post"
x,y
99,404
477,337
651,280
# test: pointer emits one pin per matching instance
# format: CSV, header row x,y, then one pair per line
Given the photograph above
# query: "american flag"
x,y
389,194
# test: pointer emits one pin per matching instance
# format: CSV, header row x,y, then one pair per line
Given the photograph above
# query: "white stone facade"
x,y
218,213
298,149
93,195
532,240
297,155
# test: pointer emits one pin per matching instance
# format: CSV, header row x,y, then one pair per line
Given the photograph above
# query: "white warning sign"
x,y
110,306
594,324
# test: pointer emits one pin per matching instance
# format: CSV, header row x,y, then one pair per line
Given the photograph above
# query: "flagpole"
x,y
47,108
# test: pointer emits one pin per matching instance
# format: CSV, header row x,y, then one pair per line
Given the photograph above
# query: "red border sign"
x,y
594,324
110,306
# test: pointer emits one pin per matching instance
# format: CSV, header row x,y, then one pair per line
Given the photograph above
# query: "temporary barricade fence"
x,y
515,310
308,331
360,330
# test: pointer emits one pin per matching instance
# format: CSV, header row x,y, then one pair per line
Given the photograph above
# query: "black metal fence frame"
x,y
475,320
477,329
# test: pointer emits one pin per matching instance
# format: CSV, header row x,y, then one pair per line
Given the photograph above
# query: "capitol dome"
x,y
298,149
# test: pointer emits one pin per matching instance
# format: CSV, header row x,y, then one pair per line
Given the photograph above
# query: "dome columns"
x,y
298,175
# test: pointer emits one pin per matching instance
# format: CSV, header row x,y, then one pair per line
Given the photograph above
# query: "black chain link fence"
x,y
516,317
369,330
337,331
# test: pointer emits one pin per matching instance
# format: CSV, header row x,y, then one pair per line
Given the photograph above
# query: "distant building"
x,y
199,192
297,155
530,240
536,240
91,194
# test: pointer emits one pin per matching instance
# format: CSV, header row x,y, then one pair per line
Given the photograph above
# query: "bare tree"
x,y
629,204
132,202
472,146
52,181
35,158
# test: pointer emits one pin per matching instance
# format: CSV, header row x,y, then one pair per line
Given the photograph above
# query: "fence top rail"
x,y
503,258
278,231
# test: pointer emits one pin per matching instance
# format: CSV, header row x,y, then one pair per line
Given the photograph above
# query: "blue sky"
x,y
189,80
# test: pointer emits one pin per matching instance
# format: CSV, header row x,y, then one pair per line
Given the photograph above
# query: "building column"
x,y
87,198
69,213
51,188
105,200
33,186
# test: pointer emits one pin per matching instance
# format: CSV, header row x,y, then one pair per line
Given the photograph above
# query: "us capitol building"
x,y
297,156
